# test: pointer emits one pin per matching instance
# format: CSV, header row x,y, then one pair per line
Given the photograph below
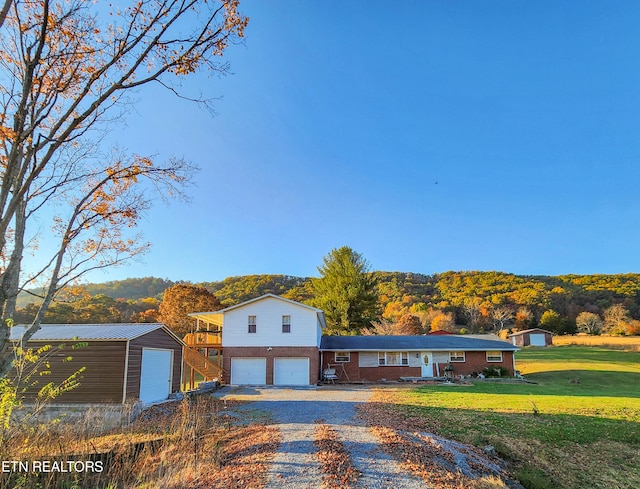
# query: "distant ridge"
x,y
407,292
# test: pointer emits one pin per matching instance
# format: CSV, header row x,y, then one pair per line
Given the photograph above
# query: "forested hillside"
x,y
476,301
233,290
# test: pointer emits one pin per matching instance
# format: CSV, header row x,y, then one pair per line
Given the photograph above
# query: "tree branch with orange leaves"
x,y
65,70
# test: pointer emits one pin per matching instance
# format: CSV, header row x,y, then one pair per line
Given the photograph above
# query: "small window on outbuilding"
x,y
494,356
456,356
342,356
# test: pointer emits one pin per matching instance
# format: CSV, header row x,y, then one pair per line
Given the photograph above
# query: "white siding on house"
x,y
318,330
415,359
368,359
441,357
305,328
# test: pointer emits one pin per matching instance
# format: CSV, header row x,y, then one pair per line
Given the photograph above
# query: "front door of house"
x,y
427,364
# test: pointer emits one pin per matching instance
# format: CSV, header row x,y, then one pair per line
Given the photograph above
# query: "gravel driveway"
x,y
297,411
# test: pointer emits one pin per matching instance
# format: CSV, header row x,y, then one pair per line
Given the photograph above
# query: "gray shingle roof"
x,y
413,343
65,332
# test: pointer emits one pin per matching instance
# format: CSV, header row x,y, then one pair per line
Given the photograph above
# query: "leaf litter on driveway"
x,y
328,442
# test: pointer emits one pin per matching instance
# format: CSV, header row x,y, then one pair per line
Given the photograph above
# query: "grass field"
x,y
578,426
630,343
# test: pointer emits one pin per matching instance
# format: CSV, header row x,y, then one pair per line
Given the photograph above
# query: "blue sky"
x,y
428,136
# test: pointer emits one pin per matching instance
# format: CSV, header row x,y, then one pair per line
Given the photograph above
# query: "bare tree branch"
x,y
65,73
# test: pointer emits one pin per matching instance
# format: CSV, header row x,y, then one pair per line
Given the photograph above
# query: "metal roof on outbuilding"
x,y
528,331
413,343
66,332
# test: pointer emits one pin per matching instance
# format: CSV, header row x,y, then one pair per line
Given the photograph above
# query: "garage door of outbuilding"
x,y
537,339
291,371
155,377
249,371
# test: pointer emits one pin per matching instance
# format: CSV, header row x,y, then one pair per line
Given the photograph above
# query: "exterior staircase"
x,y
201,364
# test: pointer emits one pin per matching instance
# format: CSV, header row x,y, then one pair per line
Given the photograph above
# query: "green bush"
x,y
495,372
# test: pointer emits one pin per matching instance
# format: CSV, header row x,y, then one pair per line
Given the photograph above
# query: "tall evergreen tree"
x,y
346,292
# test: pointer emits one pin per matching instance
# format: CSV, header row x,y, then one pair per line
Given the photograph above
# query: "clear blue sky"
x,y
428,136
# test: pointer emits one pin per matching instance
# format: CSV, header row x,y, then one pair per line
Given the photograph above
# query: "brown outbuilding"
x,y
531,337
122,362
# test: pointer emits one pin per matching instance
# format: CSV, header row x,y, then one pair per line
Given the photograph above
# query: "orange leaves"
x,y
335,459
234,21
6,133
67,66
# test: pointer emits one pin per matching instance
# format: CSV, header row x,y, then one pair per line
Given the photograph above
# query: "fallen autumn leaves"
x,y
335,459
440,463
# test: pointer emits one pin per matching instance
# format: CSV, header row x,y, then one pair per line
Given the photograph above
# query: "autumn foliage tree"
x,y
410,325
616,318
384,327
588,322
66,68
182,299
443,321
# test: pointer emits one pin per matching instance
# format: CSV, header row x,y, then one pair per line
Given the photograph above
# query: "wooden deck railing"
x,y
201,339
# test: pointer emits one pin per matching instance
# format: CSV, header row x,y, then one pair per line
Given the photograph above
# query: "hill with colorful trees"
x,y
471,301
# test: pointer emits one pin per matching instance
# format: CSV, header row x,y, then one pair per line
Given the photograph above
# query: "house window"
x,y
456,356
252,324
286,324
494,356
393,358
342,356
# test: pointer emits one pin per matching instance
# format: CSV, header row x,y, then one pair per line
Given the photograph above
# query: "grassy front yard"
x,y
579,426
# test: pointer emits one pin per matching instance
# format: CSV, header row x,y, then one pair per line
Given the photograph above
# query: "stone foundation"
x,y
95,417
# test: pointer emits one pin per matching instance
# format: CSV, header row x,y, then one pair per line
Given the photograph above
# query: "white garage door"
x,y
249,371
537,340
291,371
155,378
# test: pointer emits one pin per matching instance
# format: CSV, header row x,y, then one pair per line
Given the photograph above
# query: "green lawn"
x,y
578,426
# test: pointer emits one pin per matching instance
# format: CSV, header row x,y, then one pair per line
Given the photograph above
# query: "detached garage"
x,y
123,362
532,337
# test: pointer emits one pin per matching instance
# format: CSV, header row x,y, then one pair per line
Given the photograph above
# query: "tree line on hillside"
x,y
408,303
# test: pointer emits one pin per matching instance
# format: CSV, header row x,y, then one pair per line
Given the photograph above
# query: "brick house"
x,y
271,340
268,340
373,358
